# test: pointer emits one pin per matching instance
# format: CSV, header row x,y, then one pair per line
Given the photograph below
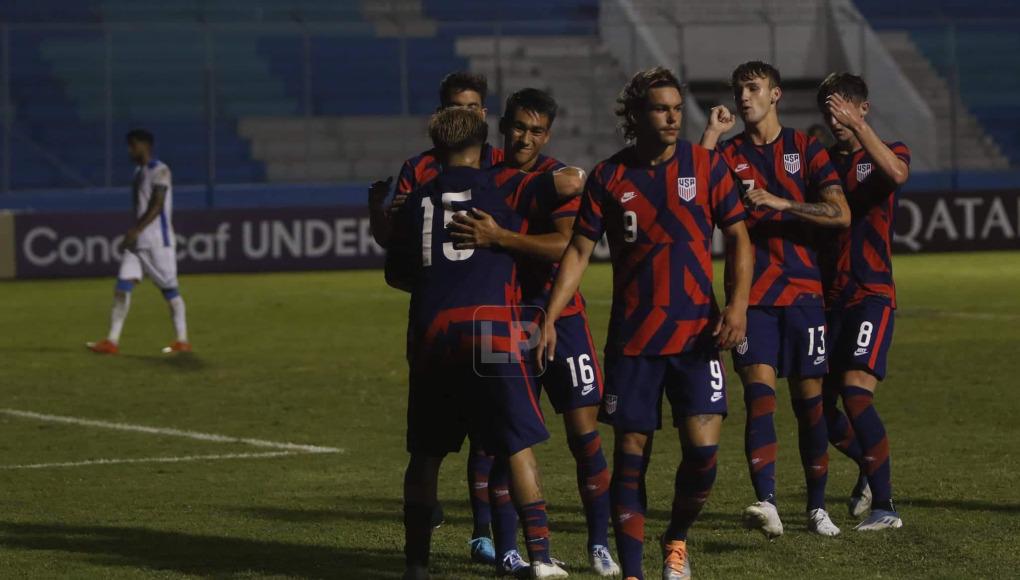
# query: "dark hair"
x,y
846,85
460,81
534,100
755,69
634,96
140,135
457,129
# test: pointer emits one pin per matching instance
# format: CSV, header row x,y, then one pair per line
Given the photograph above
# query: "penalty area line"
x,y
212,437
179,459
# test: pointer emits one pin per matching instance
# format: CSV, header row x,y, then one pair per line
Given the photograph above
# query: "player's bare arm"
x,y
832,211
478,229
720,120
569,181
572,266
886,161
151,212
732,324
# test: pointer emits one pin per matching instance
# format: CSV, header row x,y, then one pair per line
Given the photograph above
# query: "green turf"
x,y
318,359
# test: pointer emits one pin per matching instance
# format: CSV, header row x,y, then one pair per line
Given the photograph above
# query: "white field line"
x,y
178,459
170,432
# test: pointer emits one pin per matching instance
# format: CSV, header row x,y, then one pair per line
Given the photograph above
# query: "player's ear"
x,y
865,107
777,93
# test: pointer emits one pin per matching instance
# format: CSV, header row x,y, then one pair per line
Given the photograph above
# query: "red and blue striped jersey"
x,y
857,261
537,276
794,166
659,221
423,168
449,285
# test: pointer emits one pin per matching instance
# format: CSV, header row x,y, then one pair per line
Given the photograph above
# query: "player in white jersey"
x,y
149,247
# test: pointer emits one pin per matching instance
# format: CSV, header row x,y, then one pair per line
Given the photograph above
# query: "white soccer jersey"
x,y
159,232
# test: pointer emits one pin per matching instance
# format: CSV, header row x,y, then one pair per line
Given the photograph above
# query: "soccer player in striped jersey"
x,y
573,380
467,370
860,296
792,191
149,247
659,201
458,90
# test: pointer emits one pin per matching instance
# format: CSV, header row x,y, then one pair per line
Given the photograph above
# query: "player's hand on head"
x,y
843,111
762,199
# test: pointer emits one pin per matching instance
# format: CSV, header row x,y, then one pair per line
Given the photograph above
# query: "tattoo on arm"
x,y
827,208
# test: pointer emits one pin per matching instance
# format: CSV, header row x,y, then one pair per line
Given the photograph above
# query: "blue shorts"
x,y
447,401
574,379
695,383
860,336
790,339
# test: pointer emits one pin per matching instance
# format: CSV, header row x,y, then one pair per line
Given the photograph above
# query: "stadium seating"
x,y
986,54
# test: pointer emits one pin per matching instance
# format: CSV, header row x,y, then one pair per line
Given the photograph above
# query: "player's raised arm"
x,y
848,115
720,120
378,214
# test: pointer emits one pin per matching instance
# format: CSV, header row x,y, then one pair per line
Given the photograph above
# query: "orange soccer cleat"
x,y
677,565
105,346
177,346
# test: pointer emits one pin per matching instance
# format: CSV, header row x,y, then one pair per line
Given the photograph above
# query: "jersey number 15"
x,y
449,252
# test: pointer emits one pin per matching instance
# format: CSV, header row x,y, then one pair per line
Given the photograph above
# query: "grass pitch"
x,y
317,359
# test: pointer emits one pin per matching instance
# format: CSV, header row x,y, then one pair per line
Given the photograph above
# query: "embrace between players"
x,y
489,242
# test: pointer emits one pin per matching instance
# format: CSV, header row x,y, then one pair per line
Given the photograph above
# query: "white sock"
x,y
121,305
177,314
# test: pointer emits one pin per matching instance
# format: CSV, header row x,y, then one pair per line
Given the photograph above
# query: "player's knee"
x,y
758,373
631,443
860,378
170,293
124,286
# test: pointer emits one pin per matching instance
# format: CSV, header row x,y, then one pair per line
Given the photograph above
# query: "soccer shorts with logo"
x,y
574,379
790,339
158,263
860,336
495,404
694,382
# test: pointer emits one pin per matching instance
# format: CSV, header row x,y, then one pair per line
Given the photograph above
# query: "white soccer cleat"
x,y
544,570
819,522
512,564
764,517
880,520
860,505
602,562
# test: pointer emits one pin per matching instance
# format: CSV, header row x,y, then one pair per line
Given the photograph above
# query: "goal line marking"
x,y
179,459
212,437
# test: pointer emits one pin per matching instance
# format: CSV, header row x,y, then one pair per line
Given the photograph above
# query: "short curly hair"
x,y
457,129
634,96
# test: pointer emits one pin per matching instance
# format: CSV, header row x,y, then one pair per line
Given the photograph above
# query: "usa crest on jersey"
x,y
791,161
687,187
863,171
